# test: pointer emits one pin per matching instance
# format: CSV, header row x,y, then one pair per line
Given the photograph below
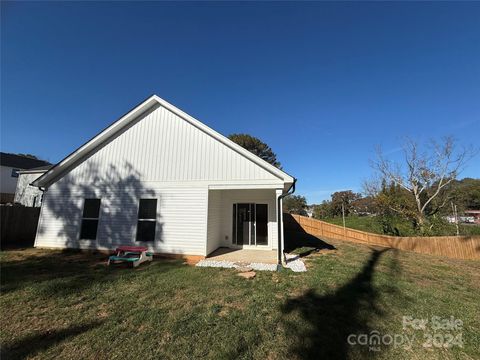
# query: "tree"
x,y
392,204
295,204
323,210
28,156
465,195
257,147
343,199
364,205
425,176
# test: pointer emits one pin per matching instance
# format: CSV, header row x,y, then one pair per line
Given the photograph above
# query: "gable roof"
x,y
91,146
20,161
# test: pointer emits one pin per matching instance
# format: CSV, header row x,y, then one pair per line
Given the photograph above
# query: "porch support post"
x,y
280,195
280,244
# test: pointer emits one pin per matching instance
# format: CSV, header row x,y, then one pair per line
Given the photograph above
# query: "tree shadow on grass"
x,y
32,344
304,244
67,272
333,317
297,240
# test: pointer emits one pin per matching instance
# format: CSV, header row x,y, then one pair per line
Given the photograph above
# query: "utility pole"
x,y
343,216
455,216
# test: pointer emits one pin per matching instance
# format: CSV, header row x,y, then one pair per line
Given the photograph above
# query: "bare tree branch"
x,y
426,172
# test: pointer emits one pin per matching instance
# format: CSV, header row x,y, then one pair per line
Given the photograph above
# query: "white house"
x,y
10,165
25,193
160,178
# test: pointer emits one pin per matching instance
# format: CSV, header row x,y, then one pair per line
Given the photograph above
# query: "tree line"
x,y
420,190
464,194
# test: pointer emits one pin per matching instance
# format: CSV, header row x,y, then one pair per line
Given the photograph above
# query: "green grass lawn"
x,y
70,305
363,223
373,225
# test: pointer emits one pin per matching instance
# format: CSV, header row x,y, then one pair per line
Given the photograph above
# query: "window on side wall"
x,y
91,213
15,173
147,220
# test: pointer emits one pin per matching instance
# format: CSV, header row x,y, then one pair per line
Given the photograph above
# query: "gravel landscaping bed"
x,y
293,263
215,263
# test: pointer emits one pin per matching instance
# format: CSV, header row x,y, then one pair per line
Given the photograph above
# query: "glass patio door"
x,y
250,224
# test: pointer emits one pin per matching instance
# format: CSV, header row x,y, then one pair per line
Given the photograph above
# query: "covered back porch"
x,y
242,224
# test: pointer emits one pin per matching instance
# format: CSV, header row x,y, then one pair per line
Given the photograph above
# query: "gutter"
x,y
280,221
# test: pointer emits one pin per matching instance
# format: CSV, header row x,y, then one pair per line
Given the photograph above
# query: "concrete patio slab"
x,y
244,256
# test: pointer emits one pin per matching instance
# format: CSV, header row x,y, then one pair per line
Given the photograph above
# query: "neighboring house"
x,y
11,164
160,178
309,210
475,214
26,194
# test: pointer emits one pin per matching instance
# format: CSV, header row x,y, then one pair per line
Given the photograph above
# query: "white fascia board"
x,y
32,171
211,183
245,186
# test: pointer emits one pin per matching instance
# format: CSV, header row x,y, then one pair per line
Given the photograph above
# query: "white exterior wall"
x,y
26,194
8,183
180,229
215,219
164,157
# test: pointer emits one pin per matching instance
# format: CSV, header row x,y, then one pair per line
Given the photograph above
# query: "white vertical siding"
x,y
215,219
164,147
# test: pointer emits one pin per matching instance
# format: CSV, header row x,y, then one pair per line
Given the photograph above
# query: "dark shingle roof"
x,y
20,162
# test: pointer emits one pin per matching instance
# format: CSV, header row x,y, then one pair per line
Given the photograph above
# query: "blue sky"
x,y
321,83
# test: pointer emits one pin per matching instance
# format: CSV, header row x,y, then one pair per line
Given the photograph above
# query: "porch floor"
x,y
244,255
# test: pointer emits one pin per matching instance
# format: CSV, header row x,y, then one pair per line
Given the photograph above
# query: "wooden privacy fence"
x,y
18,225
458,247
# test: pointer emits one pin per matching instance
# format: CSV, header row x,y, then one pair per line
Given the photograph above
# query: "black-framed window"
x,y
15,173
90,216
147,220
